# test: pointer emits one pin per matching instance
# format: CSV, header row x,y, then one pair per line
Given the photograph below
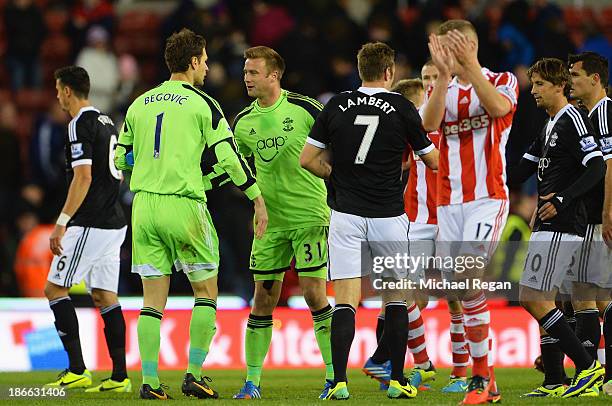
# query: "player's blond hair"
x,y
373,59
273,60
464,26
409,88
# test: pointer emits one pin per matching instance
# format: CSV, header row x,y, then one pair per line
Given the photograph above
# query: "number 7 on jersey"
x,y
372,124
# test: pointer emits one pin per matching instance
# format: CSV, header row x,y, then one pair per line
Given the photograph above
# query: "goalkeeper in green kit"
x,y
165,133
273,129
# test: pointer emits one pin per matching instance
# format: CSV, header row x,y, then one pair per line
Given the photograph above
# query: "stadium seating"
x,y
56,20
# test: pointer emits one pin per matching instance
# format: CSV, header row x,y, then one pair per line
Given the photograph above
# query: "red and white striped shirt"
x,y
473,144
420,192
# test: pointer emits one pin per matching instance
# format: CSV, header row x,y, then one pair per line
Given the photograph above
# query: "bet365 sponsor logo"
x,y
467,124
269,148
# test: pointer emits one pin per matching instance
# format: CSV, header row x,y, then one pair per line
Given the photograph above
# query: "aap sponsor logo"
x,y
269,148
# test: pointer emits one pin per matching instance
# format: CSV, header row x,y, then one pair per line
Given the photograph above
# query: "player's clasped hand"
x,y
463,49
55,240
261,217
441,56
548,210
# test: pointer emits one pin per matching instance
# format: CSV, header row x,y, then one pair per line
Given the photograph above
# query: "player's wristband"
x,y
129,158
63,220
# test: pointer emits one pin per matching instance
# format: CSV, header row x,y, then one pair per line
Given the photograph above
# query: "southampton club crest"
x,y
288,124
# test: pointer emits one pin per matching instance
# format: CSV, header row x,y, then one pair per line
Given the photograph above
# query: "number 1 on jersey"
x,y
158,128
372,124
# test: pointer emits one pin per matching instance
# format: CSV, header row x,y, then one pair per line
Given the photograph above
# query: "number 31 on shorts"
x,y
312,251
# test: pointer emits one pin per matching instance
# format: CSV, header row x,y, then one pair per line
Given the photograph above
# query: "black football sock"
x,y
568,311
67,326
380,326
381,354
396,333
588,330
556,326
342,334
114,331
552,359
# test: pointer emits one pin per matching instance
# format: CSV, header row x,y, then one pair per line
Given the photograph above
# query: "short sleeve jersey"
x,y
473,143
91,140
600,116
420,194
562,151
275,137
368,131
169,127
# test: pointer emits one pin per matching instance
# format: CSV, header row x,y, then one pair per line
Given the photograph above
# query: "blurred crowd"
x,y
120,43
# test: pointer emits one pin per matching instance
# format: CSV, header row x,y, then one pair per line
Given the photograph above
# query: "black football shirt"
x,y
91,140
562,150
600,116
367,131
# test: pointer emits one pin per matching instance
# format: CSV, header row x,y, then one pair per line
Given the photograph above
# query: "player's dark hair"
x,y
274,62
181,47
552,70
76,78
373,59
409,88
592,63
460,25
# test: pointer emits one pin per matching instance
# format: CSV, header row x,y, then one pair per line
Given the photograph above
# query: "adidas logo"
x,y
533,279
560,198
252,132
61,333
464,100
587,344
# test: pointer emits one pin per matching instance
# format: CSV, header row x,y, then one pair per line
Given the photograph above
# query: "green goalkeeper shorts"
x,y
271,255
173,230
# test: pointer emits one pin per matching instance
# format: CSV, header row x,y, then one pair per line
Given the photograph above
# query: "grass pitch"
x,y
284,387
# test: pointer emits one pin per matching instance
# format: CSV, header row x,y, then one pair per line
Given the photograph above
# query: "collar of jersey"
x,y
83,110
277,103
553,120
599,103
560,112
87,108
179,83
372,90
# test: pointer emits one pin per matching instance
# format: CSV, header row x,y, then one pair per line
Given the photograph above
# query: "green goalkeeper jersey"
x,y
275,136
167,129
